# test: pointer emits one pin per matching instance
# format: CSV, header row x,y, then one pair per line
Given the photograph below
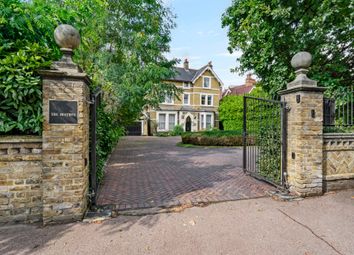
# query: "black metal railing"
x,y
94,104
264,139
338,111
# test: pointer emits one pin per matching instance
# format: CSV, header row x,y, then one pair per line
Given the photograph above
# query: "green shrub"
x,y
108,133
338,129
20,90
177,130
162,134
269,160
24,48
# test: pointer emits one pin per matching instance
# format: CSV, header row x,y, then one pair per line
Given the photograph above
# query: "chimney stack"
x,y
186,64
249,80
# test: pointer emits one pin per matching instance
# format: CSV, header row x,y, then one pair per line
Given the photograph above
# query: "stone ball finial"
x,y
67,36
301,60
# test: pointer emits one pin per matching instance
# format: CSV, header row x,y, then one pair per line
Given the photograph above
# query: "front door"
x,y
188,124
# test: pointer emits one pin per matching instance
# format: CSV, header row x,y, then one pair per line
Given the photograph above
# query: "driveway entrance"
x,y
146,172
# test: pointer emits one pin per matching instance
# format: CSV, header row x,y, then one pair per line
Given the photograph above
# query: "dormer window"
x,y
206,82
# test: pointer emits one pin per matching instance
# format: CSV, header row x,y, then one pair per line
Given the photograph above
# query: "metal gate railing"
x,y
264,139
95,102
338,111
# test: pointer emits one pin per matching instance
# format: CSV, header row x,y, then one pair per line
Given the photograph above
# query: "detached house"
x,y
196,109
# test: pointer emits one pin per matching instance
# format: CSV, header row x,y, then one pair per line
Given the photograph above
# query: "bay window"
x,y
166,121
206,120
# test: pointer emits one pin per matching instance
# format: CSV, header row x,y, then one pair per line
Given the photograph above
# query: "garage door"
x,y
134,129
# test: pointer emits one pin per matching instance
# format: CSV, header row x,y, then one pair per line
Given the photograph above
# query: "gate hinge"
x,y
91,101
91,194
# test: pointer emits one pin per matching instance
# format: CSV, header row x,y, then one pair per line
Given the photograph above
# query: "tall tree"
x,y
122,50
138,34
270,32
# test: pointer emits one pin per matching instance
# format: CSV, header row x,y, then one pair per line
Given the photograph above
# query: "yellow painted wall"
x,y
195,101
196,90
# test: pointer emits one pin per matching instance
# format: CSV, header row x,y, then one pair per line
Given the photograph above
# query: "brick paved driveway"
x,y
146,172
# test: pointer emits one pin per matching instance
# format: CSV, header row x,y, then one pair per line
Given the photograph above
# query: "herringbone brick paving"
x,y
145,172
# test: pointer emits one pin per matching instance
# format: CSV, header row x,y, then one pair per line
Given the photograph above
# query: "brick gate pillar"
x,y
304,130
65,134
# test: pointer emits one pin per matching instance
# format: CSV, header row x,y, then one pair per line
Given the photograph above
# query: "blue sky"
x,y
200,38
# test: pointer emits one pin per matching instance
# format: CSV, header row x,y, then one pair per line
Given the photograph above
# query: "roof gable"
x,y
203,70
192,75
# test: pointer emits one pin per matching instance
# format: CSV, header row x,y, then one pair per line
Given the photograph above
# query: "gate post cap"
x,y
301,60
67,37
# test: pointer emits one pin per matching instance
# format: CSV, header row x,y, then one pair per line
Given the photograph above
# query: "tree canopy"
x,y
122,49
269,33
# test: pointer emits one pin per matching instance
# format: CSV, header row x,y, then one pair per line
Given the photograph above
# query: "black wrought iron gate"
x,y
95,102
264,139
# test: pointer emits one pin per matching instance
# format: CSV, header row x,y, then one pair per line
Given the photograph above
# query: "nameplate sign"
x,y
62,112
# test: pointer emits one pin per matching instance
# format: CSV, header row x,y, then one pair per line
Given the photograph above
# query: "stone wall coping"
x,y
21,139
60,75
345,176
301,89
341,136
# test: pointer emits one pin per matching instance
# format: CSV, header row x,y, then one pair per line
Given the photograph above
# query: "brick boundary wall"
x,y
338,161
20,179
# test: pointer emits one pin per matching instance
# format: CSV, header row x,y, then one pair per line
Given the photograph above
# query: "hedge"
x,y
213,138
231,109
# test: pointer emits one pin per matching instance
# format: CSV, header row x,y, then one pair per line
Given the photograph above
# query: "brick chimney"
x,y
249,80
186,64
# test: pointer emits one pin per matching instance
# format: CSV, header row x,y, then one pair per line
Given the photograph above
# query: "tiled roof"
x,y
187,75
240,90
184,74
